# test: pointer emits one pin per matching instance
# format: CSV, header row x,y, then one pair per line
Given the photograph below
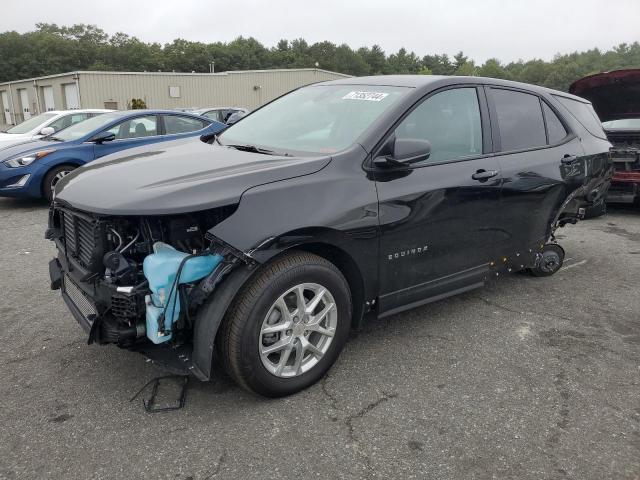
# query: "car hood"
x,y
26,147
7,137
175,177
614,95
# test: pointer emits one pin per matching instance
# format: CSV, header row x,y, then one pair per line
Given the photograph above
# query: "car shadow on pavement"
x,y
23,203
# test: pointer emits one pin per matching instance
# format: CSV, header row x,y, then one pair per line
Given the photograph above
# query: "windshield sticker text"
x,y
367,96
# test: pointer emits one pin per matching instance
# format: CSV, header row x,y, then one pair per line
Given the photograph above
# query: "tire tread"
x,y
229,338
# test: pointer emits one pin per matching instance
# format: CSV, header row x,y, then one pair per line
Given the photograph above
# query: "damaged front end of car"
x,y
139,282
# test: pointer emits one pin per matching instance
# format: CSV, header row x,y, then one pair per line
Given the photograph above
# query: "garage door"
x,y
5,108
24,103
47,94
71,96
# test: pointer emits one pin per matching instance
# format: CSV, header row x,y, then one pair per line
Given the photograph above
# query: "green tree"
x,y
51,48
492,69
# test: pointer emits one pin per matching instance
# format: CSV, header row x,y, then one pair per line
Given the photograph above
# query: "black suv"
x,y
261,248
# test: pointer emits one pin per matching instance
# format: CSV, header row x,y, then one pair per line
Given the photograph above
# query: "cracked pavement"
x,y
527,378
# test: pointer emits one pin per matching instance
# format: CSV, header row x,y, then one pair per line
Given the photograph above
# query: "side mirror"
x,y
405,152
47,131
103,137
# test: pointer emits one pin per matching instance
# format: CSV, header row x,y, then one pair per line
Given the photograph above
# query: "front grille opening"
x,y
80,300
83,240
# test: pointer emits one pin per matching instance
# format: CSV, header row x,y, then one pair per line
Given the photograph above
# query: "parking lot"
x,y
527,378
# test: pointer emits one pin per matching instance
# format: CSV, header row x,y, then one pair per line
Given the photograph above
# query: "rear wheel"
x,y
287,327
52,178
550,262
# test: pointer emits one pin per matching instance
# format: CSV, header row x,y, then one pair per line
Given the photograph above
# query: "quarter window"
x,y
450,120
555,130
136,127
519,120
175,124
585,114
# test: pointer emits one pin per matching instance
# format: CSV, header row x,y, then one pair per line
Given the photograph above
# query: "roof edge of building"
x,y
230,72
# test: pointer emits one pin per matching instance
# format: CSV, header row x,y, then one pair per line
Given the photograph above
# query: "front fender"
x,y
209,317
337,206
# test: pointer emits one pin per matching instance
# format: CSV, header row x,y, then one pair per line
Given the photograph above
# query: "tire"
x,y
51,179
242,343
596,210
551,261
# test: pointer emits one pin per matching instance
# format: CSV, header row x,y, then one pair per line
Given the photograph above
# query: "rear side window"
x,y
585,114
175,124
555,128
519,120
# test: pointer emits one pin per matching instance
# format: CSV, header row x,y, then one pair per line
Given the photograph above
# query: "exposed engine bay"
x,y
145,277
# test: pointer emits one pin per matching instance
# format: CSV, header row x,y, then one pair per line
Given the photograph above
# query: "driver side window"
x,y
450,120
146,126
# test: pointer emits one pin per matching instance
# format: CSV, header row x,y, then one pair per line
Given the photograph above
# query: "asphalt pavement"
x,y
528,378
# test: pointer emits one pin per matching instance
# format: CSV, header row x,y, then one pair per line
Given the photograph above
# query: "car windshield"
x,y
316,119
84,128
622,124
32,123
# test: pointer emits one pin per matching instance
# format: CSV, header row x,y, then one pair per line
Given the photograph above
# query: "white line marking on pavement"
x,y
577,264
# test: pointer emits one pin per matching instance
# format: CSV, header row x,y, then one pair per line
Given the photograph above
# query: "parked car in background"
x,y
220,114
363,195
45,124
616,99
235,117
34,168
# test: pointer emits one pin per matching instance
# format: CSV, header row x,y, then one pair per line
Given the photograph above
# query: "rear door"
x,y
539,158
439,219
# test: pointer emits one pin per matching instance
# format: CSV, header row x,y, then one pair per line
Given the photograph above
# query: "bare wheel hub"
x,y
298,330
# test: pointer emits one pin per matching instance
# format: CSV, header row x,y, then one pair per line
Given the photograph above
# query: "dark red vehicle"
x,y
616,99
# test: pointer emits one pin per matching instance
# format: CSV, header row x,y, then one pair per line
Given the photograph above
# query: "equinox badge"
x,y
408,252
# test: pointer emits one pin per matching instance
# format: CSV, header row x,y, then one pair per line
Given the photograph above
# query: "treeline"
x,y
51,49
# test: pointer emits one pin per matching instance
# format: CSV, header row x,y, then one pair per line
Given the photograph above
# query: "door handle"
x,y
484,175
569,159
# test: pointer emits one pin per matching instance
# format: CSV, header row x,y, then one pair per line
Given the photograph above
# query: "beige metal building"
x,y
22,99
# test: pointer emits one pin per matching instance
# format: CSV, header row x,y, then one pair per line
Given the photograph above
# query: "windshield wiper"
x,y
55,139
254,149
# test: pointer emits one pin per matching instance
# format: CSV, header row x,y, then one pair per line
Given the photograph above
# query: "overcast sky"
x,y
506,29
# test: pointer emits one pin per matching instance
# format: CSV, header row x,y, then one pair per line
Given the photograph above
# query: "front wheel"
x,y
52,178
287,326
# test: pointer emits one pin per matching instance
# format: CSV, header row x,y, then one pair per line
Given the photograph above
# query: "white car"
x,y
45,124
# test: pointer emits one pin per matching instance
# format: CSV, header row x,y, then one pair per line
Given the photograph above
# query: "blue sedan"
x,y
32,169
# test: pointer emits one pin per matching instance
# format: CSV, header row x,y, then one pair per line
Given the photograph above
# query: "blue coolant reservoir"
x,y
160,268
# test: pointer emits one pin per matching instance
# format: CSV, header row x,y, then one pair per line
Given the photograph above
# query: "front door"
x,y
439,220
130,133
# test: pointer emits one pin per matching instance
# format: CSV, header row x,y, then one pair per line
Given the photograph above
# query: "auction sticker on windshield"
x,y
368,96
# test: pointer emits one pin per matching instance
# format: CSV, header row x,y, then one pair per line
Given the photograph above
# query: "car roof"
x,y
436,81
154,112
79,110
208,109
